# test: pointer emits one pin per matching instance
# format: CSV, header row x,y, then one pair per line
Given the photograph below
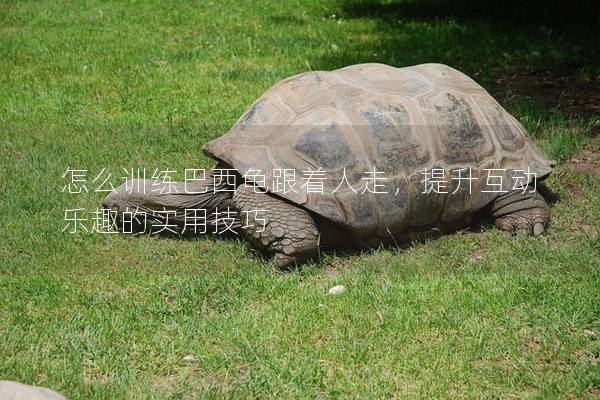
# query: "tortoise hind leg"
x,y
517,212
276,227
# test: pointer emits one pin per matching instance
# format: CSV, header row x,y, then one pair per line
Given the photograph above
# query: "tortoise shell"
x,y
371,124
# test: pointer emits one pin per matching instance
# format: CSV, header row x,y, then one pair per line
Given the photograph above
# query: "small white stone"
x,y
189,358
339,289
589,333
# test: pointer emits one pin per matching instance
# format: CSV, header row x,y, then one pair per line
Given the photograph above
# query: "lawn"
x,y
130,84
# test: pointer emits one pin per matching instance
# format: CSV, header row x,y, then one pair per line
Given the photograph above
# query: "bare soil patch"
x,y
587,160
567,89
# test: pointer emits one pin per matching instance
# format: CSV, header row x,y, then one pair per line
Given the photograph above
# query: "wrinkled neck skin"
x,y
175,200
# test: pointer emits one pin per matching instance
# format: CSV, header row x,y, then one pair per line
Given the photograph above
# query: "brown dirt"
x,y
587,160
477,252
534,345
567,89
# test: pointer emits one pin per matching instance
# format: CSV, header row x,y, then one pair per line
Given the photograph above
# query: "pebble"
x,y
339,289
189,358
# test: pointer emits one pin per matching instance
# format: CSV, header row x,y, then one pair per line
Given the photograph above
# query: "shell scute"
x,y
396,145
325,147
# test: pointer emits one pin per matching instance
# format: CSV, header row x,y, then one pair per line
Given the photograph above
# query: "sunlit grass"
x,y
97,85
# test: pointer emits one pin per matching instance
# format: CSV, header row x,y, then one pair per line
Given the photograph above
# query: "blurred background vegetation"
x,y
548,50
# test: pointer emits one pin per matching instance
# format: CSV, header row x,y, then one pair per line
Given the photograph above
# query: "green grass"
x,y
112,84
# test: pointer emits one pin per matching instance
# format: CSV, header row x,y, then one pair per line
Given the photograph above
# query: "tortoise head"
x,y
178,207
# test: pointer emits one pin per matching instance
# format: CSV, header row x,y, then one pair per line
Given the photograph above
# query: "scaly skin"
x,y
288,233
525,213
276,227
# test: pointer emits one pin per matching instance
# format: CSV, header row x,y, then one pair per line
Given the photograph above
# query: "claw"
x,y
538,228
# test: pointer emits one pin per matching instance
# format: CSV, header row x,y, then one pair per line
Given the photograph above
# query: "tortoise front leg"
x,y
518,212
276,227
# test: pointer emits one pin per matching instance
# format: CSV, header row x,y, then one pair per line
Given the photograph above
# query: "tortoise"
x,y
351,133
